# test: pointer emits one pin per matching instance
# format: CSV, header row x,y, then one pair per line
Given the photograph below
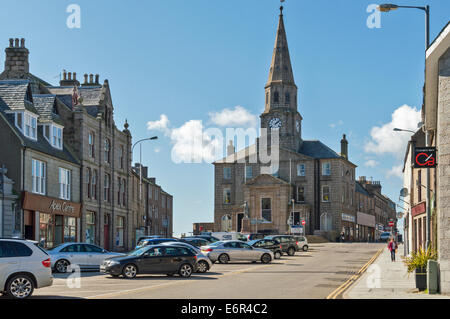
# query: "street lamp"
x,y
402,130
140,160
426,9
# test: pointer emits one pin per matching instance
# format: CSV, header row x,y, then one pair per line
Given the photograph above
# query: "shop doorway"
x,y
106,232
29,225
240,217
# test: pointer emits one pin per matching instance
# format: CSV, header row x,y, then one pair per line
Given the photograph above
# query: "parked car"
x,y
86,256
203,262
254,236
197,242
386,236
235,250
149,237
302,243
270,244
155,259
229,236
153,241
288,243
24,266
209,238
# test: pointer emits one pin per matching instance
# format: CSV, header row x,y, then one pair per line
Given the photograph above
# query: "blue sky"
x,y
188,59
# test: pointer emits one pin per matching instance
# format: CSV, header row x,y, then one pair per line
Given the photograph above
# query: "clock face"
x,y
275,123
297,125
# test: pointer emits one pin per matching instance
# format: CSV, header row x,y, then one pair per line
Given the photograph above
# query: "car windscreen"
x,y
252,242
138,252
217,243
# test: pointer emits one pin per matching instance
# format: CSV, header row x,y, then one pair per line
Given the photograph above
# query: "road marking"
x,y
353,278
142,289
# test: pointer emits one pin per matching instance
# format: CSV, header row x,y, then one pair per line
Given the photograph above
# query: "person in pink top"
x,y
392,246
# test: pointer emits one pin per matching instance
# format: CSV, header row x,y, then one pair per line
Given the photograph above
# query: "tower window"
x,y
288,98
267,98
276,97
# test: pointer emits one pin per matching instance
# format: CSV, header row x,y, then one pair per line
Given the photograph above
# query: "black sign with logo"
x,y
425,157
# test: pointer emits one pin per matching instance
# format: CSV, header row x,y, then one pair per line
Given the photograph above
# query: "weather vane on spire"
x,y
281,8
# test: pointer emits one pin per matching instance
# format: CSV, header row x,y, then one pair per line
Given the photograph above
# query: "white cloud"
x,y
385,140
192,144
333,125
371,163
237,117
161,125
396,171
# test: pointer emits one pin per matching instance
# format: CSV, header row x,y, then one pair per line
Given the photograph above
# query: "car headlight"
x,y
112,263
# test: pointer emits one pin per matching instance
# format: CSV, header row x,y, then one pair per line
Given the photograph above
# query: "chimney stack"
x,y
16,62
230,148
344,147
68,80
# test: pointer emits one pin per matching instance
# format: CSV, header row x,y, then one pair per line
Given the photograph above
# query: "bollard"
x,y
432,278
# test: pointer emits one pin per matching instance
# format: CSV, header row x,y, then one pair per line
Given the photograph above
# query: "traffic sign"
x,y
391,224
303,222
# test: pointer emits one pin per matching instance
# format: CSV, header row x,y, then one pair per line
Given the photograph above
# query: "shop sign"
x,y
418,209
348,218
365,219
48,205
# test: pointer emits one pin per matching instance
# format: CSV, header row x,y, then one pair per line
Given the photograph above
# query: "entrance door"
x,y
106,233
239,222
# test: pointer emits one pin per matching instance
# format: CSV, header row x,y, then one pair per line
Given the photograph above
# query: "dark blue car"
x,y
153,241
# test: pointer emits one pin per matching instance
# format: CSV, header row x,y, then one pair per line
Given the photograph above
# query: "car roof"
x,y
19,239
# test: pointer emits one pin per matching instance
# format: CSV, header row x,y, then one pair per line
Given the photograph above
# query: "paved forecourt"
x,y
314,274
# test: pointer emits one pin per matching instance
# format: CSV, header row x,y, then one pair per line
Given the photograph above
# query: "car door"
x,y
76,254
94,255
8,261
248,253
151,261
232,250
172,258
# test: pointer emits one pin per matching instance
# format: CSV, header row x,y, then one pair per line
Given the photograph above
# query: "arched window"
x,y
276,97
226,223
326,222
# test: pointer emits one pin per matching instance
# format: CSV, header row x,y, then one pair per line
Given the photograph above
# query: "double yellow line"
x,y
353,278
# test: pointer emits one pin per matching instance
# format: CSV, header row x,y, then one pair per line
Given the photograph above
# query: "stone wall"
x,y
443,171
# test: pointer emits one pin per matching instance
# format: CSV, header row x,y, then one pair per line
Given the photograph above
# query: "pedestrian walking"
x,y
392,246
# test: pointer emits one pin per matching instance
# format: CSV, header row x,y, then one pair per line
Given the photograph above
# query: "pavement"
x,y
385,279
307,275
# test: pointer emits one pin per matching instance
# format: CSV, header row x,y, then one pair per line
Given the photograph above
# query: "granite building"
x,y
312,182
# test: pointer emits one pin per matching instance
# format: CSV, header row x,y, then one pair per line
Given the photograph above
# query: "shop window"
x,y
70,229
90,227
119,231
46,230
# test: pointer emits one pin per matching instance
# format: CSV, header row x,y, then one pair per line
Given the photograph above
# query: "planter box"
x,y
421,278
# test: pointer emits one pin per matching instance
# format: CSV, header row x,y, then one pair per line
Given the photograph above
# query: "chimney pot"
x,y
91,78
22,43
16,44
85,78
11,42
97,78
70,76
74,76
64,75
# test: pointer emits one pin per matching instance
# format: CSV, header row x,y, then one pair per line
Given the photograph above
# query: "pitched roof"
x,y
360,189
45,105
316,149
91,95
16,95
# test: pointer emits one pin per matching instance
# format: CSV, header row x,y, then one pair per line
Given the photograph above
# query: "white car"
x,y
24,266
302,243
236,250
86,256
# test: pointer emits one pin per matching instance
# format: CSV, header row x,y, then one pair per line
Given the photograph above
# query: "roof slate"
x,y
14,96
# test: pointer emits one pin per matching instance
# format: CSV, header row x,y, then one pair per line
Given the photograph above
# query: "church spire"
x,y
280,67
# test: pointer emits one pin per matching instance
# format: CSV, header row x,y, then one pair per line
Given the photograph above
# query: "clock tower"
x,y
280,111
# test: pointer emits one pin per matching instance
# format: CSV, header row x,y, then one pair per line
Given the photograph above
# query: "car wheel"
x,y
305,248
185,271
277,255
62,265
291,251
20,287
265,259
224,259
129,271
202,267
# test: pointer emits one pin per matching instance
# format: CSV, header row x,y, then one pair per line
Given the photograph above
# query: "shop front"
x,y
50,221
419,222
348,227
365,227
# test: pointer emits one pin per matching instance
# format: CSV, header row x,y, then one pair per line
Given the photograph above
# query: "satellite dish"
x,y
404,192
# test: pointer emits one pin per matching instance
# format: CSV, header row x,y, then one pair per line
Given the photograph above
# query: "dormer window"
x,y
27,124
19,120
57,137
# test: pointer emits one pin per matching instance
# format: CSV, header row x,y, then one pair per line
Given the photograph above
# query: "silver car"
x,y
235,250
86,256
203,262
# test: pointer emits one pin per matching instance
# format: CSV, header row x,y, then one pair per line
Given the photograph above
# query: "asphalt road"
x,y
311,275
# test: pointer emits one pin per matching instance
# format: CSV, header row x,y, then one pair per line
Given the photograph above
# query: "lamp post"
x,y
402,130
140,160
426,9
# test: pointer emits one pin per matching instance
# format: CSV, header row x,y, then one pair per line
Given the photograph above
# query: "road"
x,y
311,275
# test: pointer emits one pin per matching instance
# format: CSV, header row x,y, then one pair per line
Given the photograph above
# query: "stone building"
x,y
151,205
10,217
45,171
437,122
312,182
